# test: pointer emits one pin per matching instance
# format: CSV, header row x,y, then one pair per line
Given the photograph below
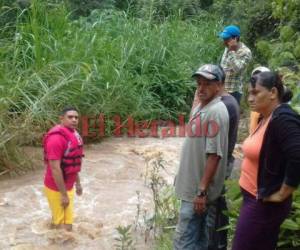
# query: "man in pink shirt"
x,y
63,152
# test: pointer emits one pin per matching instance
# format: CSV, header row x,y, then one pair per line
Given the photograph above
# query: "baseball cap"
x,y
230,31
260,69
210,72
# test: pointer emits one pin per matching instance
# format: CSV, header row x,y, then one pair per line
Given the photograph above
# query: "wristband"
x,y
201,193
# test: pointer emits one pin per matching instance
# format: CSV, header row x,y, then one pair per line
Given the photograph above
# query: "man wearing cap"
x,y
235,58
202,167
216,218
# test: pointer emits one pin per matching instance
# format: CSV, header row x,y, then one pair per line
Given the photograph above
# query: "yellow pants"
x,y
60,215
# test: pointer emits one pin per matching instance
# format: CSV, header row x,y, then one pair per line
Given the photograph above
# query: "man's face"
x,y
70,119
229,41
207,90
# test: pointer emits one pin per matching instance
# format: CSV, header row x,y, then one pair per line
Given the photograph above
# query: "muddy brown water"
x,y
113,173
112,176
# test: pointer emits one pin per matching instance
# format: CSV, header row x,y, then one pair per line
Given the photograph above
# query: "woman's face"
x,y
260,98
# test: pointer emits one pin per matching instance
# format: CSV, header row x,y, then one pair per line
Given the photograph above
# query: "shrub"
x,y
108,62
286,33
296,50
286,58
264,50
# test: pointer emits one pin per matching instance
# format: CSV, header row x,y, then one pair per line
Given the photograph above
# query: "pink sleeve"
x,y
55,147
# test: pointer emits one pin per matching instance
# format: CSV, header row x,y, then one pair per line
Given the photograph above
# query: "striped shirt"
x,y
234,64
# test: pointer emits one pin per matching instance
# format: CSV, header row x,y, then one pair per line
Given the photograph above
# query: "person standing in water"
x,y
63,152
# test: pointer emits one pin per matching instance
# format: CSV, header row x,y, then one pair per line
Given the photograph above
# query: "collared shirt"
x,y
195,150
234,64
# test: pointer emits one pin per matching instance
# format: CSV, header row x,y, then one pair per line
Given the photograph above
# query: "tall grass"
x,y
105,63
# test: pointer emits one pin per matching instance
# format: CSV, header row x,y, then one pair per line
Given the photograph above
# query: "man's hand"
x,y
78,189
65,200
200,204
232,44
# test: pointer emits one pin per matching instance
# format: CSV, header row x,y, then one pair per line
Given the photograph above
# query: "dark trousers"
x,y
259,223
217,219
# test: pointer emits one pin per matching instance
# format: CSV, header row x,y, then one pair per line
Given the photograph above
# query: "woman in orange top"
x,y
270,170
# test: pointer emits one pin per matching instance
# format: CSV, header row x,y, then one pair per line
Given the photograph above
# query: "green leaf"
x,y
291,225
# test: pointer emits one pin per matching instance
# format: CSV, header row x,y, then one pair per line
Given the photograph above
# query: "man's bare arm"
x,y
210,170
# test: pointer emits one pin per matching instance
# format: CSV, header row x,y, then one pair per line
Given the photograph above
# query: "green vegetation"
x,y
124,238
131,57
108,62
166,206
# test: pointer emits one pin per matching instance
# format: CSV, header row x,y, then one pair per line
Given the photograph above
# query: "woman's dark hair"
x,y
287,94
271,80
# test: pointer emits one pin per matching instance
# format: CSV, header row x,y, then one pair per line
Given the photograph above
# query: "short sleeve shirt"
x,y
55,147
196,149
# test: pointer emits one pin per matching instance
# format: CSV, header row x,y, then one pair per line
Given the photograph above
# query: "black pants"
x,y
218,239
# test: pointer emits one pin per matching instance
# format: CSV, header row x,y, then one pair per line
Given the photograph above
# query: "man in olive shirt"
x,y
203,163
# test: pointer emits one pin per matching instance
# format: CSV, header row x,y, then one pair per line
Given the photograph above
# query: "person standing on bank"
x,y
216,217
203,161
270,169
234,60
63,152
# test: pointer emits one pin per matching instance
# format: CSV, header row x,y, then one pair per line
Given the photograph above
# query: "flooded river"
x,y
114,189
